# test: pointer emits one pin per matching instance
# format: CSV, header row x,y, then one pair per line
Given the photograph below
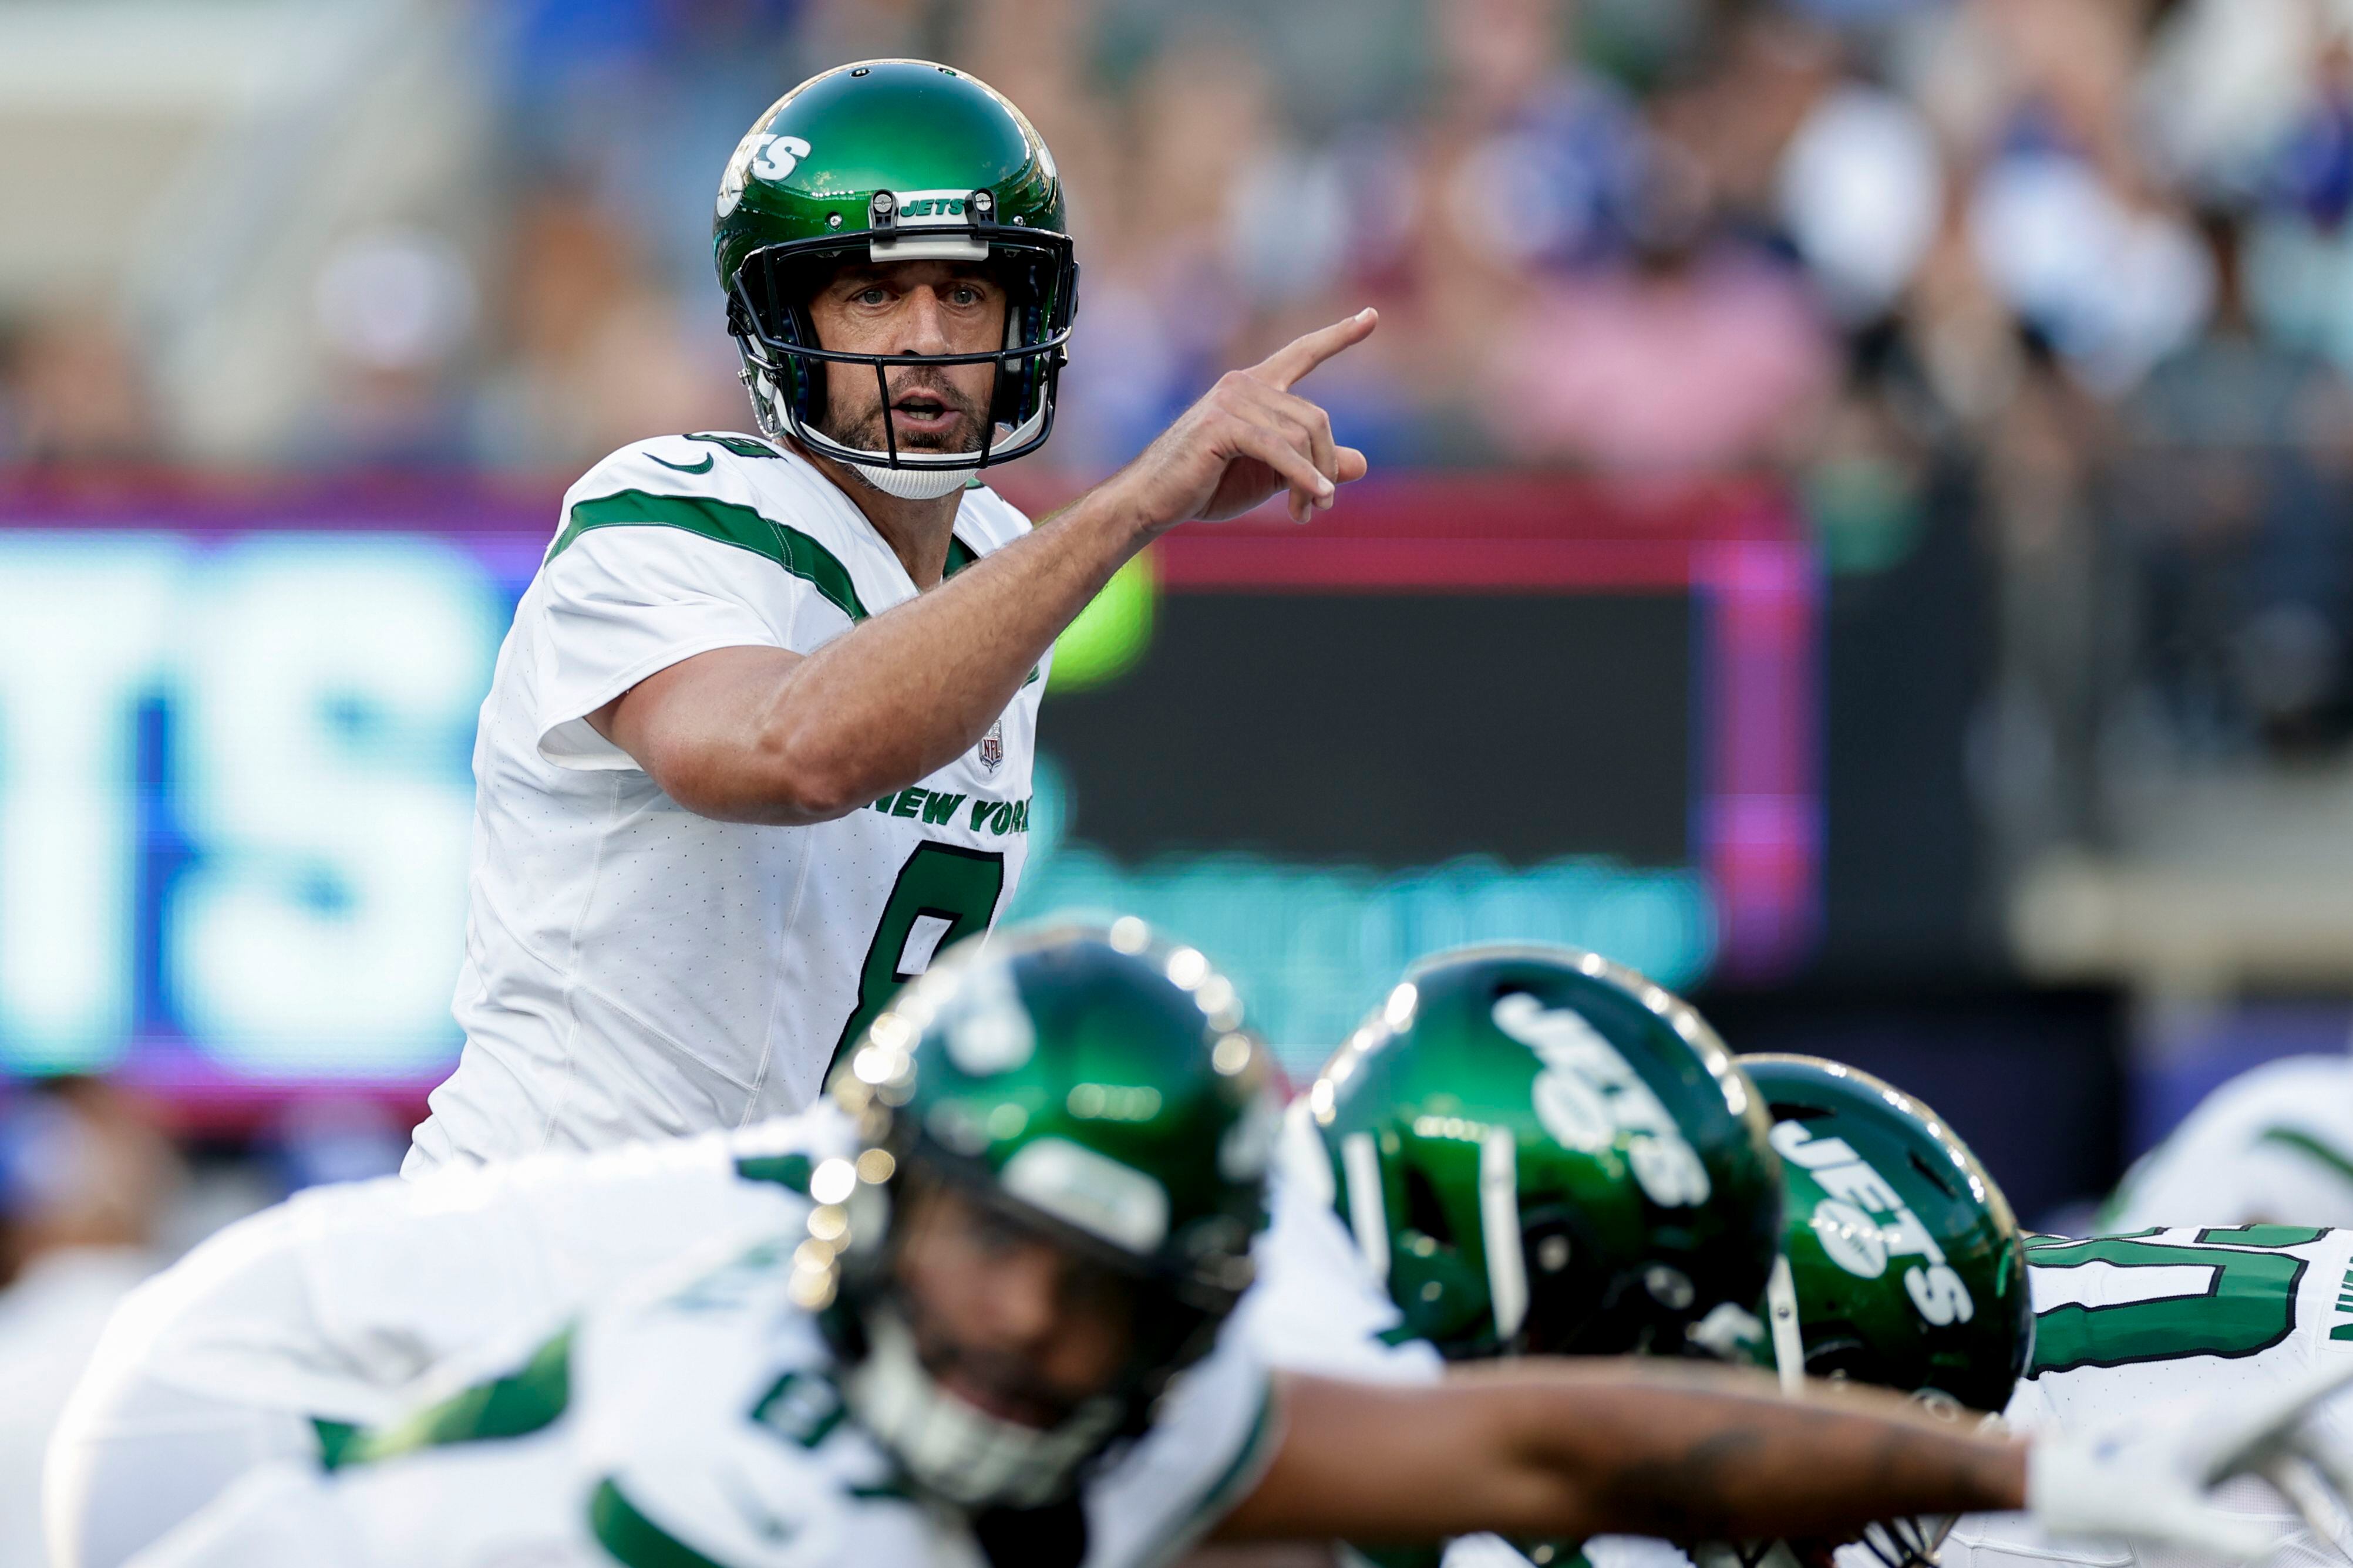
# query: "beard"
x,y
863,427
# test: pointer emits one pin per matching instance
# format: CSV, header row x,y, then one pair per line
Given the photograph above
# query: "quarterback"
x,y
760,741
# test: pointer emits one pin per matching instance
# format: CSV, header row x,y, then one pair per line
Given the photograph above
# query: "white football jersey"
x,y
2159,1325
631,969
698,1420
2272,1144
345,1306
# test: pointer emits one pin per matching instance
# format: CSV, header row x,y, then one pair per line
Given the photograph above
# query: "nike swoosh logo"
x,y
702,468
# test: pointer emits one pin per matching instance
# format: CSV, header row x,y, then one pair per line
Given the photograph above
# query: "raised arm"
x,y
753,734
1572,1448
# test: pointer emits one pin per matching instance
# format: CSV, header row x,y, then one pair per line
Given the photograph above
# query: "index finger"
x,y
1294,360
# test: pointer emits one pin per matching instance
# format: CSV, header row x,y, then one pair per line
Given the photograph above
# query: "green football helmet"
x,y
1541,1152
1903,1264
1088,1086
894,161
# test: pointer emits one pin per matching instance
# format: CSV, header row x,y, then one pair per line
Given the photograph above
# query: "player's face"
x,y
1003,1318
910,307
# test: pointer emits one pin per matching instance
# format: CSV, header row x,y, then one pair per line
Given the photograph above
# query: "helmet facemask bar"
x,y
1905,1542
783,362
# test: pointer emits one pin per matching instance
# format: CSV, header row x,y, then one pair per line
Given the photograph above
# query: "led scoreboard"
x,y
235,732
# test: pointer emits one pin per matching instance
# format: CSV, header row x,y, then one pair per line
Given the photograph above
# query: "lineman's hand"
x,y
2154,1486
1249,437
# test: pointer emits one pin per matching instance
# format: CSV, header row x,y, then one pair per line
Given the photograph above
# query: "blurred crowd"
x,y
2081,268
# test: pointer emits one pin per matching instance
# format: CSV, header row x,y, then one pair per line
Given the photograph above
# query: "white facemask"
x,y
954,1450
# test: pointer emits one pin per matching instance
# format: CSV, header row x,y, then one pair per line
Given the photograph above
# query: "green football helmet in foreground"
x,y
894,161
1540,1151
1904,1264
1088,1086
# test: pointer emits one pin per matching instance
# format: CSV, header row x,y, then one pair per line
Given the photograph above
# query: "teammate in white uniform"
x,y
2275,1144
2130,1327
1546,1230
342,1307
999,1334
758,744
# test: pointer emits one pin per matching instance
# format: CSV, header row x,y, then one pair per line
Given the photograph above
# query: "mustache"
x,y
865,426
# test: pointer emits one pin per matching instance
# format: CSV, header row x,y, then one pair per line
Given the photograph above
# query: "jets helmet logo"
x,y
1856,1238
760,155
1589,1095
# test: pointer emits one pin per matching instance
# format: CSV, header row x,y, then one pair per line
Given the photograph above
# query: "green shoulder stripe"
x,y
511,1406
722,523
635,1540
1242,1471
2312,1148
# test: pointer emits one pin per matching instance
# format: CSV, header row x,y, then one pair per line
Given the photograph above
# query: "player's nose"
x,y
923,323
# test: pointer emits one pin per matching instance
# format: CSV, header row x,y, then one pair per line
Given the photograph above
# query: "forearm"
x,y
1698,1461
763,735
1574,1449
905,693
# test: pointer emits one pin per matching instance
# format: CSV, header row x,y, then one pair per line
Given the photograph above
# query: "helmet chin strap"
x,y
914,484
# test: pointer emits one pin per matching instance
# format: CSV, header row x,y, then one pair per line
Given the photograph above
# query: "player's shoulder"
x,y
723,468
989,521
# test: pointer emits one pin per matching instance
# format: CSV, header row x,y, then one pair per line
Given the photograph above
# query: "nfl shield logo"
x,y
992,747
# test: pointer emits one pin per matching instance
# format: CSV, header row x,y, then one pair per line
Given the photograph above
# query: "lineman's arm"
x,y
1611,1447
763,734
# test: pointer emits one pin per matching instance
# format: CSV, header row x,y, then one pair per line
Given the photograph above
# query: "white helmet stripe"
x,y
1368,1215
1789,1340
1499,1226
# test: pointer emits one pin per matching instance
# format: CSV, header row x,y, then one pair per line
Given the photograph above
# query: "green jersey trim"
x,y
516,1406
635,1540
722,523
2248,1305
2305,1143
790,1172
1233,1482
334,1439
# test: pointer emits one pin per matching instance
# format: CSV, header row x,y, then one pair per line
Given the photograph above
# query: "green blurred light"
x,y
1111,633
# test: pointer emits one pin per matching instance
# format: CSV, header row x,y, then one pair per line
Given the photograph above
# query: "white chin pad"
x,y
914,484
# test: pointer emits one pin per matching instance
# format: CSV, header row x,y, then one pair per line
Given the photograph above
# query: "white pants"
x,y
134,1455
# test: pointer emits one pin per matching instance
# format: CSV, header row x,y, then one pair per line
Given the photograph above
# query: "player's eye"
x,y
873,294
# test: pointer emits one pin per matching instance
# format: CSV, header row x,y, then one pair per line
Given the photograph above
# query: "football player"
x,y
760,741
1905,1269
997,1333
2272,1145
1523,1151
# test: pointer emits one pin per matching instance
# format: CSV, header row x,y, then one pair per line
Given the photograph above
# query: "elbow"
x,y
775,783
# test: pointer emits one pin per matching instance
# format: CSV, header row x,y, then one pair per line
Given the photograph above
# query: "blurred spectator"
x,y
395,309
71,392
83,1177
2234,485
598,356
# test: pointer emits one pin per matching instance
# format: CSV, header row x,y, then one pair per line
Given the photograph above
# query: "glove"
x,y
2151,1486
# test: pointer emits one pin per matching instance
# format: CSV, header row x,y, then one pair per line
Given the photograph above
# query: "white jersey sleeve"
x,y
1214,1436
344,1305
2272,1145
694,1420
